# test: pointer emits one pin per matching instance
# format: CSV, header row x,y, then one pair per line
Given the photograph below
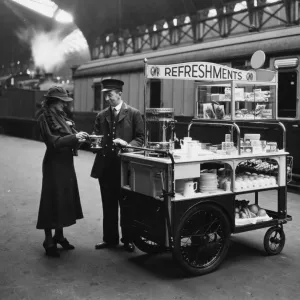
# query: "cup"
x,y
227,186
96,141
190,188
192,148
183,143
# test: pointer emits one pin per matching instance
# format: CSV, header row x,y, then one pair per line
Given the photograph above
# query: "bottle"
x,y
227,186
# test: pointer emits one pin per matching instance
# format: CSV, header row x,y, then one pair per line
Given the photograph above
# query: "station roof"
x,y
100,17
95,17
13,17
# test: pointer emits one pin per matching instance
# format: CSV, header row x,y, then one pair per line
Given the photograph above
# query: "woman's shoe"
x,y
51,250
64,243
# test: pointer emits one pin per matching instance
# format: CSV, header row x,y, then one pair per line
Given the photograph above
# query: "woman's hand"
x,y
82,136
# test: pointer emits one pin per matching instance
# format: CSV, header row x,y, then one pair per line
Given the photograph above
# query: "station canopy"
x,y
100,17
93,17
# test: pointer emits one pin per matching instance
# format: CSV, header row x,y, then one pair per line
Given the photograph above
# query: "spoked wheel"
x,y
147,245
274,240
202,239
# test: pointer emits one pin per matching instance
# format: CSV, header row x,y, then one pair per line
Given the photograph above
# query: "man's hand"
x,y
120,142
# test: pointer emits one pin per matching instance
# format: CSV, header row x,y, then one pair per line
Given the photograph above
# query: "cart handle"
x,y
232,125
280,124
148,149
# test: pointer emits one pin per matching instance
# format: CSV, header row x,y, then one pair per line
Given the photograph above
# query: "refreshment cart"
x,y
185,200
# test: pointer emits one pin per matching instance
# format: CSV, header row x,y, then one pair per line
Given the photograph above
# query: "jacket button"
x,y
108,135
104,155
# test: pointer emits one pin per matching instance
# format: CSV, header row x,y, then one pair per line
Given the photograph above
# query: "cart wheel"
x,y
274,240
202,239
147,246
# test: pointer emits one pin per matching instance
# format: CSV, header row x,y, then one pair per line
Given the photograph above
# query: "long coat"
x,y
60,202
130,127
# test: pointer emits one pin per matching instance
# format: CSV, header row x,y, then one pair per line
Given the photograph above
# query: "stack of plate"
x,y
208,182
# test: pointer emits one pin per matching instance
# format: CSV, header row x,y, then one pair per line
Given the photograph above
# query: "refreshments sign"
x,y
199,71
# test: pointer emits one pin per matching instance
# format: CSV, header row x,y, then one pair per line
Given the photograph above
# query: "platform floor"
x,y
89,274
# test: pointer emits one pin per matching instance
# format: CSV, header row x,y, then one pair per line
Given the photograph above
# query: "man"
x,y
121,125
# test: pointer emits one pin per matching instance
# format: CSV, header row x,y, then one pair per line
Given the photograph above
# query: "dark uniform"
x,y
127,125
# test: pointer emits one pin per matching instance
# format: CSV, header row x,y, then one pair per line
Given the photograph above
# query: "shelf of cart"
x,y
275,220
247,101
180,197
249,227
257,190
275,215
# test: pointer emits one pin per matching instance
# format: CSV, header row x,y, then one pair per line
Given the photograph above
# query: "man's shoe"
x,y
104,245
129,247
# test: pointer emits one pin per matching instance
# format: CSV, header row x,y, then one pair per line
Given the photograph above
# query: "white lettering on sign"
x,y
199,71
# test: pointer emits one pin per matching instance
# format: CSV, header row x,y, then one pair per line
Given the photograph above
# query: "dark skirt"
x,y
60,202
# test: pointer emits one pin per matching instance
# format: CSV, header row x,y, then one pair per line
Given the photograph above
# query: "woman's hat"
x,y
112,84
59,93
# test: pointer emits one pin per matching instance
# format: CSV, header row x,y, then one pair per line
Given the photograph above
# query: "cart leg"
x,y
282,202
256,198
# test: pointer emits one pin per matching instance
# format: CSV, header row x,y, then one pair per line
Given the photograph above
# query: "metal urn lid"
x,y
159,114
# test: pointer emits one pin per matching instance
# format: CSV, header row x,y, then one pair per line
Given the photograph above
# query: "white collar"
x,y
118,107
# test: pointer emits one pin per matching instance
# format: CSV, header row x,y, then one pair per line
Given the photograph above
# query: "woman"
x,y
60,202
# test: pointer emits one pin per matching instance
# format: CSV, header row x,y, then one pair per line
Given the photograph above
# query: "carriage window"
x,y
287,94
99,102
155,93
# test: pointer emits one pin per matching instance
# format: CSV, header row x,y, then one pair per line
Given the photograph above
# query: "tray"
x,y
247,221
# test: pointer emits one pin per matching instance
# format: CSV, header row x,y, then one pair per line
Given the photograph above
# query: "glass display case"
x,y
236,100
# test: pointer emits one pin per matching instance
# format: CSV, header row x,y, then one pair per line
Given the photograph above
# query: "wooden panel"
x,y
133,99
90,95
82,94
178,96
77,94
19,103
125,96
141,92
142,178
86,88
167,93
189,98
187,170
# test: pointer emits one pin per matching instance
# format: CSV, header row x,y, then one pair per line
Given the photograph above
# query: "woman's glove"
x,y
82,136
